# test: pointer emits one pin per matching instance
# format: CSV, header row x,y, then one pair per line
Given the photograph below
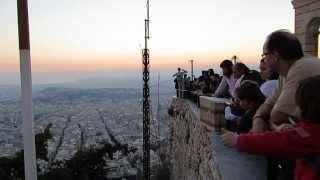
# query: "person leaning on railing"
x,y
242,73
179,80
299,141
215,80
227,84
250,98
282,52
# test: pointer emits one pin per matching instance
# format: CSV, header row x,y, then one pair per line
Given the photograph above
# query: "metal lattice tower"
x,y
158,109
146,102
191,61
235,59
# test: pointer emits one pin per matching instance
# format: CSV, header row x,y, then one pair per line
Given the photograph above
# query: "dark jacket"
x,y
245,122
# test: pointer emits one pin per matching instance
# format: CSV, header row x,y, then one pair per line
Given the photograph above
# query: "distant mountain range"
x,y
103,87
72,94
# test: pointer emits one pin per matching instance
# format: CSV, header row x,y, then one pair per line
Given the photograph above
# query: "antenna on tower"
x,y
158,108
146,100
234,59
191,61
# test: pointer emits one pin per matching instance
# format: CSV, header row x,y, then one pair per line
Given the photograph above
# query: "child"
x,y
250,98
301,142
239,118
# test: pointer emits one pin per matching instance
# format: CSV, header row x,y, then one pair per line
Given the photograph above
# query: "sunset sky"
x,y
88,36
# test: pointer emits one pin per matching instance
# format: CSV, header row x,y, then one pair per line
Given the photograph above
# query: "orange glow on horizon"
x,y
203,60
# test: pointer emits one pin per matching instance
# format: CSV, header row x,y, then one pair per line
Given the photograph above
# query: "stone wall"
x,y
307,22
190,145
195,148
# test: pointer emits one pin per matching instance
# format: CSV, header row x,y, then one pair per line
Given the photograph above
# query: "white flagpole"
x,y
26,92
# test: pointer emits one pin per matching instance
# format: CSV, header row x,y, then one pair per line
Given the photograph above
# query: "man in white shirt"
x,y
179,77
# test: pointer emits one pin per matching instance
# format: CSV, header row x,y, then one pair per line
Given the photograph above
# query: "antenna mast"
x,y
146,101
235,59
191,61
158,109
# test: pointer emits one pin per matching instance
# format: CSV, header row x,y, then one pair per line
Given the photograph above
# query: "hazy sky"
x,y
87,36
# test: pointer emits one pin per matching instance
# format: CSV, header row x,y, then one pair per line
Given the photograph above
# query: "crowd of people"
x,y
275,113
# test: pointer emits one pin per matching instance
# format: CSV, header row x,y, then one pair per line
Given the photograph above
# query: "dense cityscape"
x,y
84,118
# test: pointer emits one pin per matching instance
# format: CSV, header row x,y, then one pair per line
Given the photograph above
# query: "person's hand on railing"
x,y
229,138
283,127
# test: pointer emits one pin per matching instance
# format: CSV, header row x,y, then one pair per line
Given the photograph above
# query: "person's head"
x,y
201,79
226,66
248,94
308,99
266,73
240,69
205,73
185,75
283,46
210,72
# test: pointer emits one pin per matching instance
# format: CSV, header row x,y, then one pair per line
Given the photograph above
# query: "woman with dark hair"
x,y
228,81
299,141
270,78
242,73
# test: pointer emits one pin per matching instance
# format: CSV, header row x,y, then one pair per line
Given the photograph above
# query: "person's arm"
x,y
261,117
288,143
276,119
285,105
175,74
236,85
221,88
